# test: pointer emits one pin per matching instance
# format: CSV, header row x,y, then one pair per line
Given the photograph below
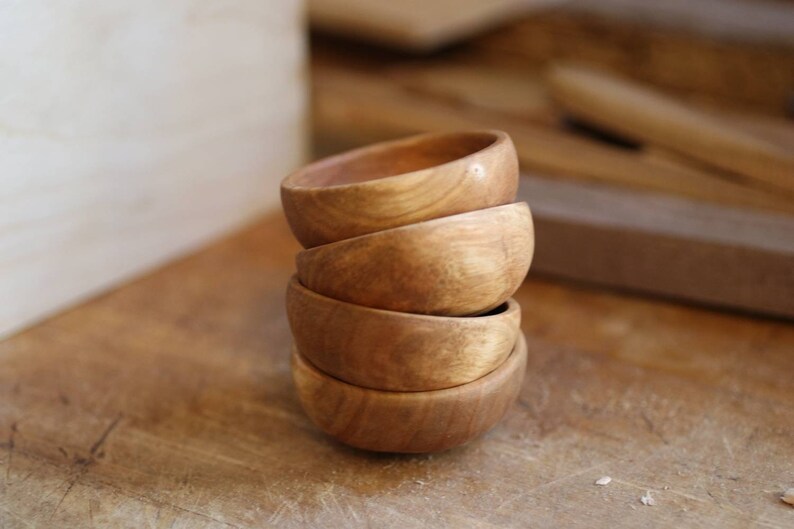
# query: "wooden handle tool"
x,y
641,113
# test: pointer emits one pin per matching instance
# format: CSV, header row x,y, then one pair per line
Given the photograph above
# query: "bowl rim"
x,y
500,138
511,307
520,206
501,373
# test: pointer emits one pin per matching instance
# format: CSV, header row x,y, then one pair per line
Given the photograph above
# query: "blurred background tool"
x,y
633,111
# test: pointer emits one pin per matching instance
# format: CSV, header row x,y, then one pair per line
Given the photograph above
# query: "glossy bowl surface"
x,y
399,182
459,265
409,422
398,351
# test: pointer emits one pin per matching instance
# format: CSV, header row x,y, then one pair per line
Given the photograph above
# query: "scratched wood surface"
x,y
169,403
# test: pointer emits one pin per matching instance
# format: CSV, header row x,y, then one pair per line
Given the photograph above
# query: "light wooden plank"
x,y
132,133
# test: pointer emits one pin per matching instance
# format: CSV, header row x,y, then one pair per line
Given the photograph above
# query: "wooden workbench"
x,y
169,403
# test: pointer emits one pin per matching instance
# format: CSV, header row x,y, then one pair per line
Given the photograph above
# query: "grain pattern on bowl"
x,y
397,351
400,182
408,422
459,265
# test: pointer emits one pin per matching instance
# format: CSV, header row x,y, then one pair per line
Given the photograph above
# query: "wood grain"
x,y
453,266
409,422
400,182
168,402
642,113
132,134
397,351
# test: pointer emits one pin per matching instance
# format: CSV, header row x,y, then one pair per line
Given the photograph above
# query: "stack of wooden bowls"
x,y
406,336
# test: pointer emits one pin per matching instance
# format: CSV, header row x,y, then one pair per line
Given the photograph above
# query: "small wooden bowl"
x,y
399,182
413,422
397,351
464,264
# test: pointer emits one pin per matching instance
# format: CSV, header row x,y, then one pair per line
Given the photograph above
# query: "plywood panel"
x,y
131,132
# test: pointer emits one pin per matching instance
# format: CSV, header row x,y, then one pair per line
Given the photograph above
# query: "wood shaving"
x,y
603,481
647,499
788,496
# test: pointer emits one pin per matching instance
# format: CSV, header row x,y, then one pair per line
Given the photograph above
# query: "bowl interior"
x,y
391,160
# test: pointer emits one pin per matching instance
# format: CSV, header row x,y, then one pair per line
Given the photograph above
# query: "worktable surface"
x,y
169,403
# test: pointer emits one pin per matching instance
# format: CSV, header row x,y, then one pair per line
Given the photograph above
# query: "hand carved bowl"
x,y
410,422
398,351
400,182
463,264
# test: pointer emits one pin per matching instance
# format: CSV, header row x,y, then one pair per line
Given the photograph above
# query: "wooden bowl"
x,y
463,264
425,421
397,351
399,182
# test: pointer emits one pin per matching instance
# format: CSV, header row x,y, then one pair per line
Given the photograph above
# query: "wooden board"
x,y
168,403
132,134
663,245
418,25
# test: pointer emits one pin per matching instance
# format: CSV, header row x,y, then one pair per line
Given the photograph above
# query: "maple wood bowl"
x,y
398,351
408,422
399,182
463,264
